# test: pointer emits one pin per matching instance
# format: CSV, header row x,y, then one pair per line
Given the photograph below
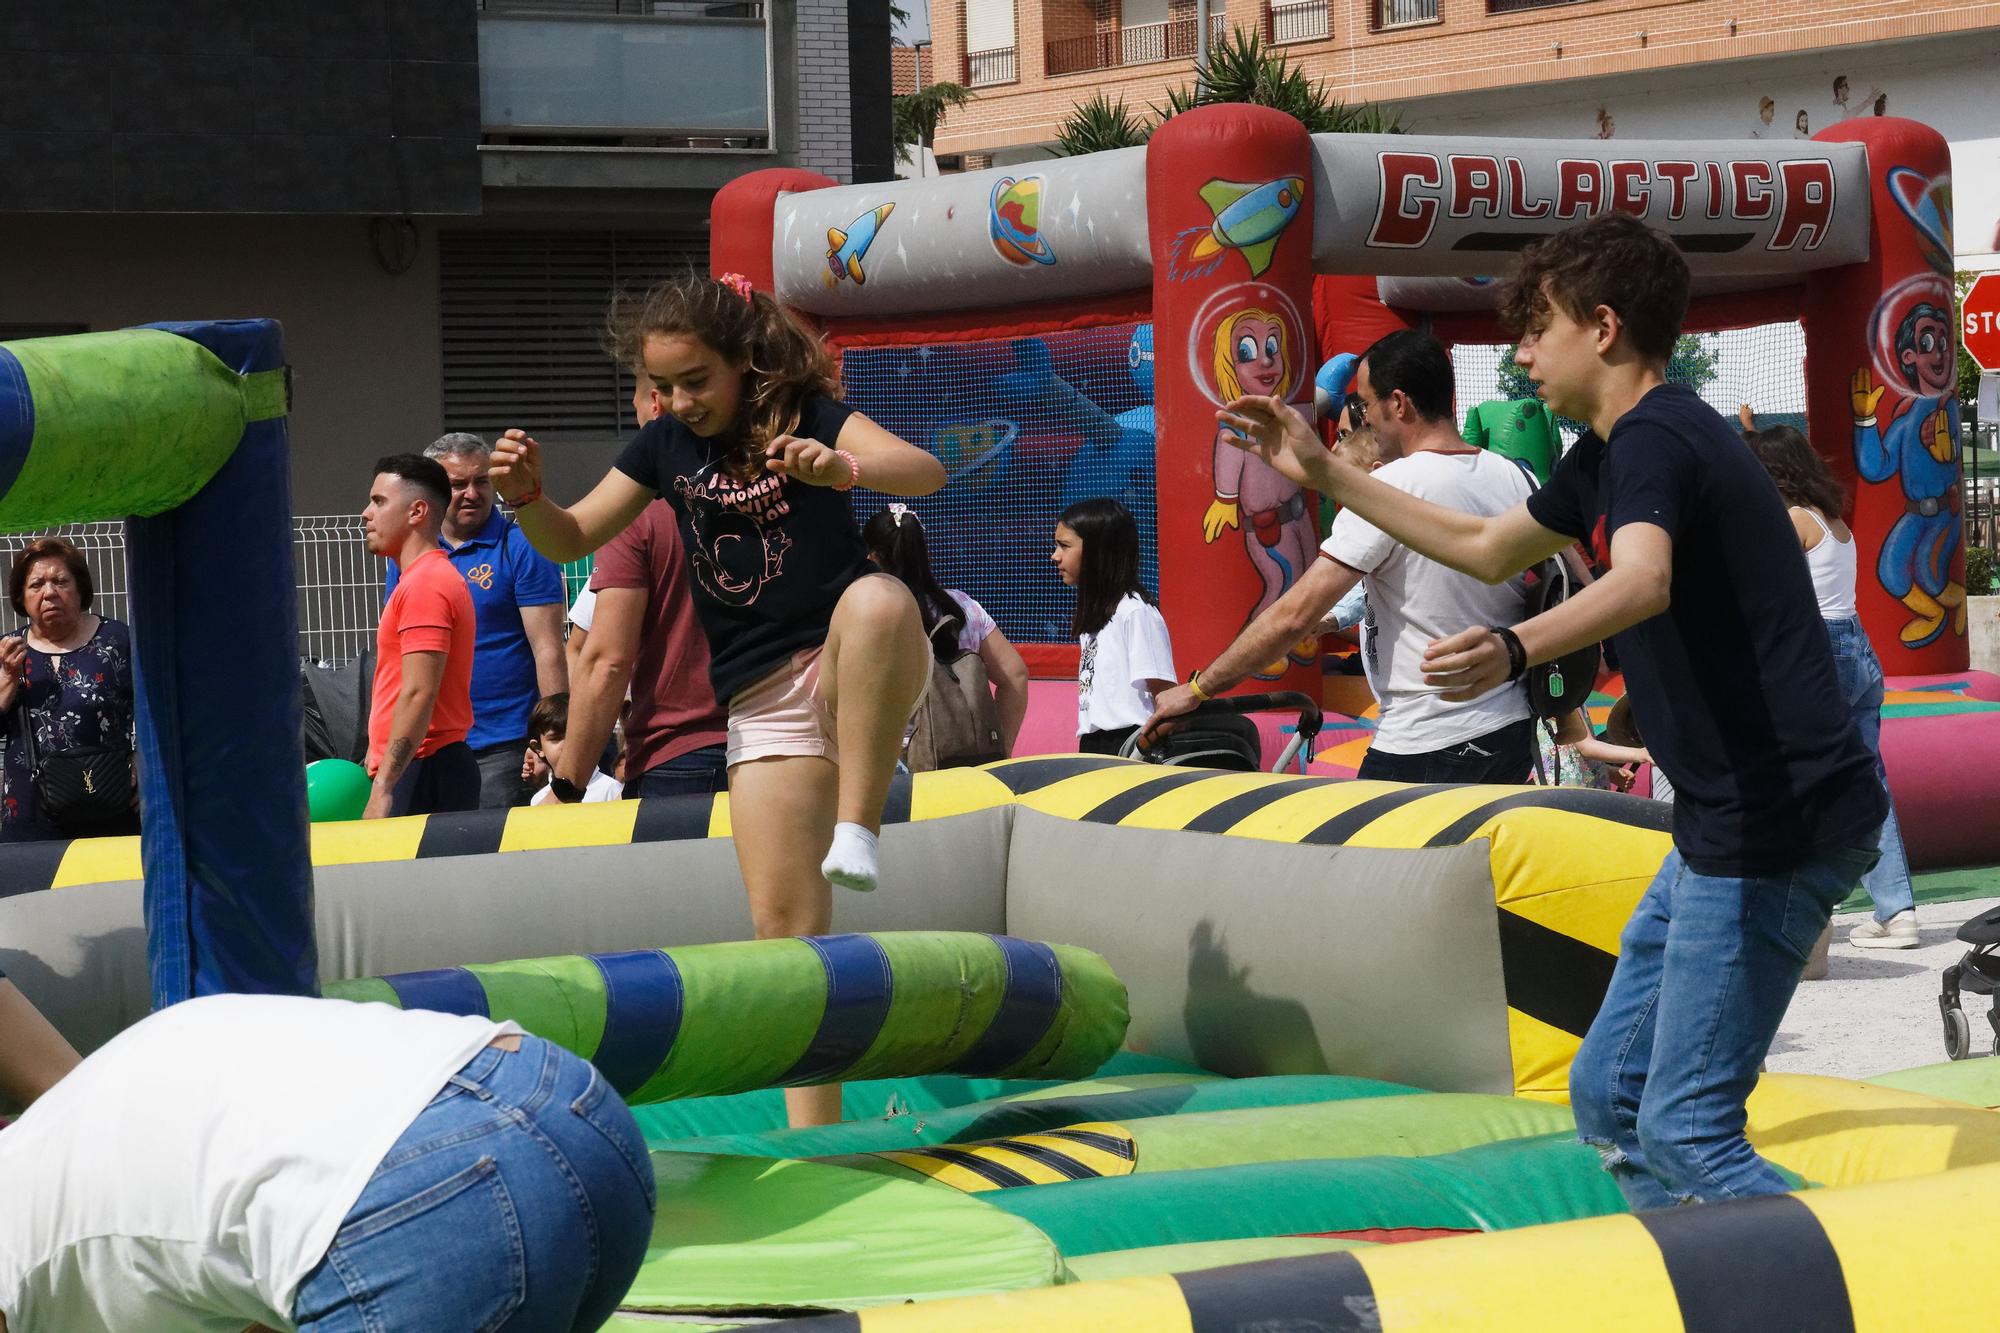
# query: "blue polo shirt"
x,y
503,573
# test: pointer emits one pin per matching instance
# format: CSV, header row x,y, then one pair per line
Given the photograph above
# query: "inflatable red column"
x,y
743,216
1882,372
1230,217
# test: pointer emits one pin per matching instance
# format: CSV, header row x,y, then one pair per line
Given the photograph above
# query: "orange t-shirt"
x,y
430,612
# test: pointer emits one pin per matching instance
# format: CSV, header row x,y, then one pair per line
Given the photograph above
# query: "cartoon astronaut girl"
x,y
1253,355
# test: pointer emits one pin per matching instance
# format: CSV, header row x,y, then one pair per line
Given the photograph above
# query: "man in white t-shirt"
x,y
1404,386
258,1160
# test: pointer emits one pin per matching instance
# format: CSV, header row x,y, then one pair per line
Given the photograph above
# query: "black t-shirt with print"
x,y
1733,686
770,559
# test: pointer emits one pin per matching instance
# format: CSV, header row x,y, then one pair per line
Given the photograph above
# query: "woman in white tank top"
x,y
1816,501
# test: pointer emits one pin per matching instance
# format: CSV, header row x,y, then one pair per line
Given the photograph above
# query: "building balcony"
x,y
984,69
1404,13
1298,21
624,74
1142,44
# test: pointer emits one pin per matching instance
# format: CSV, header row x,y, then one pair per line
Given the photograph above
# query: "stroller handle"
x,y
1285,701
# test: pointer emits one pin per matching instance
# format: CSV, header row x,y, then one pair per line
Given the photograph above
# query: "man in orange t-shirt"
x,y
422,709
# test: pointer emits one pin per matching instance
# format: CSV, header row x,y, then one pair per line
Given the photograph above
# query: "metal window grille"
x,y
1140,44
1394,13
1310,21
1002,64
522,315
1515,6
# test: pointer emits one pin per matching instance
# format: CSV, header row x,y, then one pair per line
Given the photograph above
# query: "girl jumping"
x,y
820,658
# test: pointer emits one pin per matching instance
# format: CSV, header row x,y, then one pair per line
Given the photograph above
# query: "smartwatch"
x,y
566,791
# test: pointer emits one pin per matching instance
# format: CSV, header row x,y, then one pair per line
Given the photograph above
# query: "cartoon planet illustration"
x,y
1926,202
845,249
1014,218
1248,219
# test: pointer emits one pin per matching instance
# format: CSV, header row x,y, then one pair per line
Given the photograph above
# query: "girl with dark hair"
x,y
1816,501
819,657
1126,655
954,622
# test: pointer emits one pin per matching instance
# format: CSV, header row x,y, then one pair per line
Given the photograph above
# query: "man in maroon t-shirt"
x,y
644,635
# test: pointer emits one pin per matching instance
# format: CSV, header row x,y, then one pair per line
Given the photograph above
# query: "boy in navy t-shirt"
x,y
1731,677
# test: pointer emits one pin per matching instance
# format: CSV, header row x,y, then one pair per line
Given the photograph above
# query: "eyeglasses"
x,y
1357,410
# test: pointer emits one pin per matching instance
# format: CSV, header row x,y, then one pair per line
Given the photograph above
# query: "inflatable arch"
x,y
180,430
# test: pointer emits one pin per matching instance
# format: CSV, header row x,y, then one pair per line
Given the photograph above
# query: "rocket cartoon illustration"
x,y
844,249
1248,220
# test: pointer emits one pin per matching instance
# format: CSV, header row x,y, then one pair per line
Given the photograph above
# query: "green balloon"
x,y
336,790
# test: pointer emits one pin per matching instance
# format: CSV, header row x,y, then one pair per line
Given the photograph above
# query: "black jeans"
x,y
1103,742
1506,755
444,781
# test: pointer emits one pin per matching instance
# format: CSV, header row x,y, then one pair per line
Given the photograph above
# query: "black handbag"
x,y
82,788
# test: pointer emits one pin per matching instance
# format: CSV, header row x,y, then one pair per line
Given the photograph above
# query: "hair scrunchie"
x,y
737,283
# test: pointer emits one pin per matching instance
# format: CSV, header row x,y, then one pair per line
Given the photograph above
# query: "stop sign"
x,y
1980,322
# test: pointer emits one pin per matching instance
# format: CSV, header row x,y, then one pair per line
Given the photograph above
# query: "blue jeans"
x,y
1861,685
697,773
521,1198
1706,967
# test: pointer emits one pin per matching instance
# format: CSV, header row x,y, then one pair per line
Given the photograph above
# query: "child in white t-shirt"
x,y
1127,656
547,726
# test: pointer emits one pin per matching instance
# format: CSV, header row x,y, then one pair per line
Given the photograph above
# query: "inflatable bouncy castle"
x,y
1074,326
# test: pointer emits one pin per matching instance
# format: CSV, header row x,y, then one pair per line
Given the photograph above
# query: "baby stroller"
x,y
1978,972
1217,735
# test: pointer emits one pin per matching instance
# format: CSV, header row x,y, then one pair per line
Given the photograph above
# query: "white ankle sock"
x,y
851,862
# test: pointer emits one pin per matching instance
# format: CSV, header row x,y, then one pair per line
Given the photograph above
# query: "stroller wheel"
x,y
1958,1034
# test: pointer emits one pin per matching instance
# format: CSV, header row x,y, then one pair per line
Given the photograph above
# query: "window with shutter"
x,y
522,318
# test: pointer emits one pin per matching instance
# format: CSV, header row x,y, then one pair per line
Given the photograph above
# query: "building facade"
x,y
436,197
1569,69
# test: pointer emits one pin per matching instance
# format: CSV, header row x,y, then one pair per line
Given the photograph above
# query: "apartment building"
x,y
1535,68
436,197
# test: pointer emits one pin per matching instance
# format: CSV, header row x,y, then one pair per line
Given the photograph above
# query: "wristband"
x,y
1517,656
530,498
1194,684
565,791
853,466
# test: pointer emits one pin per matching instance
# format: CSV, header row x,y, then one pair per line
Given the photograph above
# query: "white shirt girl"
x,y
1118,661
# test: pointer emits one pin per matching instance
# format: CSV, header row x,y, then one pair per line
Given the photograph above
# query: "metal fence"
x,y
984,68
1303,21
339,583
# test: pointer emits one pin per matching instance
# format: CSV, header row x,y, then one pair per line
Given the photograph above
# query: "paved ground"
x,y
1876,1011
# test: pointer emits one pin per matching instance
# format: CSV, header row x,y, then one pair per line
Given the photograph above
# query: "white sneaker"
x,y
1898,932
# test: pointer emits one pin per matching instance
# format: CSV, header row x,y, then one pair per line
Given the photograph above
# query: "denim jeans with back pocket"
x,y
521,1198
1861,686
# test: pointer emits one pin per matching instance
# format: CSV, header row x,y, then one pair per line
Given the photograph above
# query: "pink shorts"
x,y
783,714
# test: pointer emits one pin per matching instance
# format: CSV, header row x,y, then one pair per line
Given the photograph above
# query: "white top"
x,y
583,608
1117,661
601,787
977,623
214,1147
1413,601
1832,564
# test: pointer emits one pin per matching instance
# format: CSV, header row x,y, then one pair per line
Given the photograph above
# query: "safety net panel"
x,y
1025,427
1762,365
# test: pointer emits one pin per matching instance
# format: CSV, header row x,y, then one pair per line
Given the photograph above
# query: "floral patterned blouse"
x,y
81,697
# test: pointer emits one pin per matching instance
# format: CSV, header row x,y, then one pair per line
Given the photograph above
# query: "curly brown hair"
x,y
1803,478
787,363
1612,260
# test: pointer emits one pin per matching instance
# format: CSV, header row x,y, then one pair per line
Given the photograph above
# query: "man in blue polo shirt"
x,y
517,601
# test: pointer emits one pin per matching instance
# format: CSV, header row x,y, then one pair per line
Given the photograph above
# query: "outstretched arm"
x,y
1492,549
558,533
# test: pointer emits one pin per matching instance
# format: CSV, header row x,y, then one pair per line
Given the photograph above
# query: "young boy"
x,y
547,726
1731,677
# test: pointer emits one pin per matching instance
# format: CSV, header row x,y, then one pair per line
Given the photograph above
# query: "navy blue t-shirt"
x,y
1733,687
770,558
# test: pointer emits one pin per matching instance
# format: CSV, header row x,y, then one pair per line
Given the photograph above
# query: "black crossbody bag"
x,y
80,788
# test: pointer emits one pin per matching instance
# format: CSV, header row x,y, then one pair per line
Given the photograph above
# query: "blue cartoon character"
x,y
1123,467
1916,439
1253,355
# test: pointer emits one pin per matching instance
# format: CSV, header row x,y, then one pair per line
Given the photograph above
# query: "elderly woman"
x,y
65,705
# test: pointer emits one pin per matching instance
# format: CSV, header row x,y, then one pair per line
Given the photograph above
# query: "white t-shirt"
x,y
601,787
583,608
1413,601
977,623
214,1147
1117,661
